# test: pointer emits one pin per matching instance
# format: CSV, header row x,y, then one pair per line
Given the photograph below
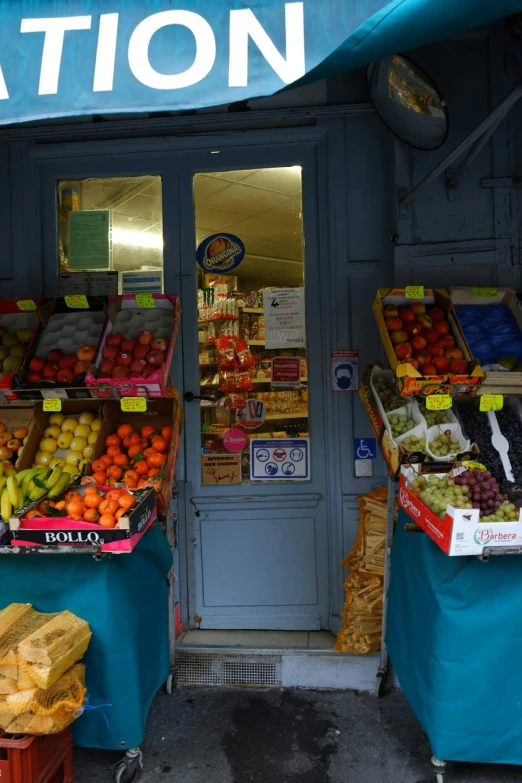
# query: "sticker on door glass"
x,y
220,253
252,415
280,459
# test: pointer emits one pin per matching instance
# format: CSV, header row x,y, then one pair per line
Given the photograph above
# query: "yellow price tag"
x,y
52,405
78,301
145,300
472,465
414,291
26,305
485,292
133,404
438,402
491,402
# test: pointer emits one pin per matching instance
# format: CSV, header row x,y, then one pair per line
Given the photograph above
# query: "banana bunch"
x,y
29,486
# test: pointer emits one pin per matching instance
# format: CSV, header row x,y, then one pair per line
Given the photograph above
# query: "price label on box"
x,y
470,465
77,301
133,404
485,292
26,305
491,402
145,300
438,402
52,405
414,292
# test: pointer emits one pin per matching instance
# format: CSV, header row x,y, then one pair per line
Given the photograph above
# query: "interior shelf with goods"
x,y
235,365
452,438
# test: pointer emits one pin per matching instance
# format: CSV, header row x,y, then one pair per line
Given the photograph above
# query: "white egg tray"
x,y
131,322
16,321
68,331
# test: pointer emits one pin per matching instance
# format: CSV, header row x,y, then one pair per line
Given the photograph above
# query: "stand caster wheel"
x,y
378,688
170,685
439,777
130,769
439,770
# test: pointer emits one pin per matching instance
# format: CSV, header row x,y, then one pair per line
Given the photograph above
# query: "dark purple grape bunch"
x,y
483,490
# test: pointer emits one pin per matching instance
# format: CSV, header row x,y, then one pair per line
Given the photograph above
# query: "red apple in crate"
x,y
148,372
392,324
14,444
107,366
435,350
138,366
442,327
418,343
156,358
418,307
54,355
159,344
407,314
34,377
447,341
400,336
124,359
67,361
64,376
425,320
442,364
127,345
114,338
459,367
431,335
80,368
120,372
5,437
141,351
414,363
37,364
453,353
110,351
436,313
145,337
429,369
403,351
49,372
423,357
86,353
413,328
390,311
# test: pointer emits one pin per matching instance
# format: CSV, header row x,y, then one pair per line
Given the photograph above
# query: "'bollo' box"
x,y
460,533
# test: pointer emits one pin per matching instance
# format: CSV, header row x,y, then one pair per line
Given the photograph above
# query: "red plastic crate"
x,y
28,759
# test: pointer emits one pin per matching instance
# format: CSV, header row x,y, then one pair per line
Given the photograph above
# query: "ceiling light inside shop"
x,y
121,236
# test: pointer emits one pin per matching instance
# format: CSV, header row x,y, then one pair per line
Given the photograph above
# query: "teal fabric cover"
x,y
125,601
455,641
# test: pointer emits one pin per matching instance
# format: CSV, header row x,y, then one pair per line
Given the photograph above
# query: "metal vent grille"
x,y
260,671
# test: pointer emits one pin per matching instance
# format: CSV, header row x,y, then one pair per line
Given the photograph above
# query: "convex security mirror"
x,y
407,102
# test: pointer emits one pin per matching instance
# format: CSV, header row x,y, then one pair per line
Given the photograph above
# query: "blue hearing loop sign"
x,y
365,448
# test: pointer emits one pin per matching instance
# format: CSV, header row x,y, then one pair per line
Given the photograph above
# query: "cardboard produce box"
x,y
496,381
66,328
67,532
460,533
16,314
127,317
410,380
13,417
159,413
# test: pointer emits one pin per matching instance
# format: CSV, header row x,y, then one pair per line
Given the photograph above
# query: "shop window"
x,y
258,212
113,225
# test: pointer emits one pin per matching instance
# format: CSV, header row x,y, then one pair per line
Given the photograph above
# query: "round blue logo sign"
x,y
220,253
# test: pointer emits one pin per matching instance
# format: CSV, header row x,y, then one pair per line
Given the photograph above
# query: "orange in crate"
x,y
28,759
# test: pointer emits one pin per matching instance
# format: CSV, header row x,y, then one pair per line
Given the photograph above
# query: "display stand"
x,y
457,666
382,673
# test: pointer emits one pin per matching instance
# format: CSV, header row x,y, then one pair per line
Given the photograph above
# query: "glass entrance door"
x,y
255,446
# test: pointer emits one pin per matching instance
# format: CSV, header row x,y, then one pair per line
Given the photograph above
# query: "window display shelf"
x,y
278,416
253,310
269,380
257,342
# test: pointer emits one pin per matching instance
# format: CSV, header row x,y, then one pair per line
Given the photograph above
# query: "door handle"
x,y
190,397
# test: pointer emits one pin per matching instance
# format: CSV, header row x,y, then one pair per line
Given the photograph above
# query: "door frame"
x,y
45,163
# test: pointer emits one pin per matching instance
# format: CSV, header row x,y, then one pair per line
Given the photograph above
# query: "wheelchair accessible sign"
x,y
280,459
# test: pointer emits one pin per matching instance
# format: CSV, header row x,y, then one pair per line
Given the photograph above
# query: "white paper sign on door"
x,y
284,312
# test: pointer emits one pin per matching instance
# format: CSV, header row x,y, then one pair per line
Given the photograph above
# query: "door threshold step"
x,y
257,667
267,640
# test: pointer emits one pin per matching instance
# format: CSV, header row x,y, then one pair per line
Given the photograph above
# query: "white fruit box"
x,y
460,533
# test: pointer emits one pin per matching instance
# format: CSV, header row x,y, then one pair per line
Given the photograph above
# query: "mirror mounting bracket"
x,y
472,144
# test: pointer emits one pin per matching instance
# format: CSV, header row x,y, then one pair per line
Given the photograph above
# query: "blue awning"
x,y
60,58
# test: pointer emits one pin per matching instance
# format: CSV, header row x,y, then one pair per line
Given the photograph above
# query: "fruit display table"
x,y
454,637
125,601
